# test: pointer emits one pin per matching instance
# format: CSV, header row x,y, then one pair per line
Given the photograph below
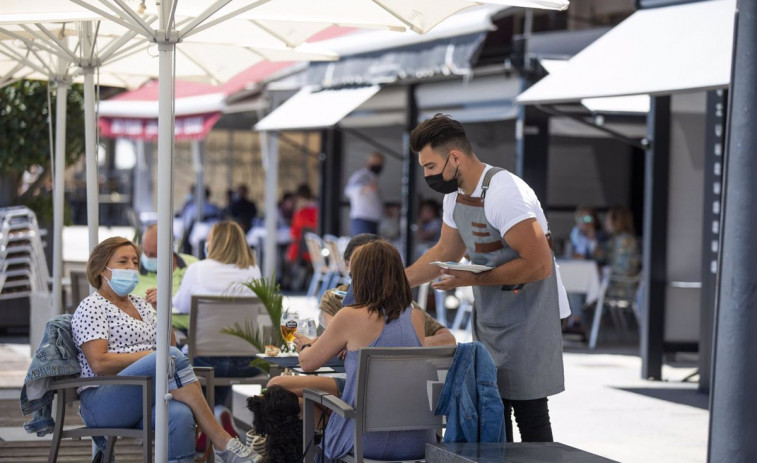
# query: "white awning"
x,y
309,109
656,52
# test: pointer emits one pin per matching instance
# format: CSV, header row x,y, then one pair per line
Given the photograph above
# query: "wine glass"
x,y
289,323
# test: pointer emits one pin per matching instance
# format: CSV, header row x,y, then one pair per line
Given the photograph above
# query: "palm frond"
x,y
269,293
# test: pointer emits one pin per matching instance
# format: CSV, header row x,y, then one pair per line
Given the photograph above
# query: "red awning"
x,y
193,127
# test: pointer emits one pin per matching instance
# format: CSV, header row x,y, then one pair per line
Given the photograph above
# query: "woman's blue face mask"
x,y
122,280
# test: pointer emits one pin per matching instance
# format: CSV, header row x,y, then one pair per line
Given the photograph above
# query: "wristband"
x,y
304,346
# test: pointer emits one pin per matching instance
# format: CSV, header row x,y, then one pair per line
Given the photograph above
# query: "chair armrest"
x,y
329,401
99,381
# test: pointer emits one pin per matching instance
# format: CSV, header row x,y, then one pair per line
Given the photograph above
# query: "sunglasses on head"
x,y
584,219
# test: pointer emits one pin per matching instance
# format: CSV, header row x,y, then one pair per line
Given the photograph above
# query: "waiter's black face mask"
x,y
436,182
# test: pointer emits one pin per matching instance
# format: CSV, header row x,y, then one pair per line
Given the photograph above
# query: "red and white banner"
x,y
193,127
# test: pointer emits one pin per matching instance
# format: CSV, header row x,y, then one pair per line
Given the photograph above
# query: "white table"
x,y
581,277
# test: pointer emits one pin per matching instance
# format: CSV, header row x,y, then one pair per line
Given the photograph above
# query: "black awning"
x,y
449,56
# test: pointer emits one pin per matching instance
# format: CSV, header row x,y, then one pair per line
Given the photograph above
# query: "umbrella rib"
x,y
30,43
116,19
212,76
55,40
119,52
39,66
274,34
133,15
398,16
195,28
199,19
114,47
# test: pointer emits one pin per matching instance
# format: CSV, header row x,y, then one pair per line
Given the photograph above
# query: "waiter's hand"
x,y
452,279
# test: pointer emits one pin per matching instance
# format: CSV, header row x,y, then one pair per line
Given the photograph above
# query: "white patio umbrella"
x,y
62,52
178,21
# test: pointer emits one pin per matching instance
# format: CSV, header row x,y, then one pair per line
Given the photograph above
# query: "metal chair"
x,y
322,272
65,390
208,315
615,306
397,390
339,273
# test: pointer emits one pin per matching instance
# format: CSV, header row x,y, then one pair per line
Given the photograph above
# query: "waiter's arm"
x,y
449,248
533,264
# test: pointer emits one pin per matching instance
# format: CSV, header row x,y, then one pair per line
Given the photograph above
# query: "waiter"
x,y
496,219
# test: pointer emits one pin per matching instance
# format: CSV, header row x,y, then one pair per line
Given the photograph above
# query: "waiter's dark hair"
x,y
378,280
440,131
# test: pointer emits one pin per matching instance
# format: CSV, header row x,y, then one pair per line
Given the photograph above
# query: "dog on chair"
x,y
275,415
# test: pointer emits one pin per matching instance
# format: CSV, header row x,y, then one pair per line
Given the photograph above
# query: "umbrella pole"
x,y
271,152
58,192
165,250
93,219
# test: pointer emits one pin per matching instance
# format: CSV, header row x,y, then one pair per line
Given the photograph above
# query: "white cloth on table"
x,y
581,276
210,277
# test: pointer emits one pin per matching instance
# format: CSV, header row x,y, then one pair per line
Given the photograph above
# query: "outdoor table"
x,y
335,365
533,452
581,277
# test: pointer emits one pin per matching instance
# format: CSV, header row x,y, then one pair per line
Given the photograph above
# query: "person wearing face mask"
x,y
366,206
496,219
148,266
116,334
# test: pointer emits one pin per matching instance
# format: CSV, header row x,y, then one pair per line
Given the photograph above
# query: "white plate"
x,y
475,268
281,354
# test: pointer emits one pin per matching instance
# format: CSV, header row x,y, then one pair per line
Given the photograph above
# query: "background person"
x,y
362,189
332,302
116,334
148,267
586,235
496,218
242,210
620,253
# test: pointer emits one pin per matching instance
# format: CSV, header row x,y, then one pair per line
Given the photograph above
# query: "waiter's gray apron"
x,y
521,329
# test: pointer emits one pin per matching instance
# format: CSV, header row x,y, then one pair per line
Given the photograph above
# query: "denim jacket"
x,y
56,357
470,397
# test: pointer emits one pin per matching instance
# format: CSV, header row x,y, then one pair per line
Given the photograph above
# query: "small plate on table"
x,y
475,268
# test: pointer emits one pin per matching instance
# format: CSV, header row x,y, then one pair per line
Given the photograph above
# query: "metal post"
x,y
58,193
199,193
713,187
90,147
166,56
270,147
408,227
654,253
330,197
532,156
733,402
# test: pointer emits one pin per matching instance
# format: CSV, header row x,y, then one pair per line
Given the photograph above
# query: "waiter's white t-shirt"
x,y
508,202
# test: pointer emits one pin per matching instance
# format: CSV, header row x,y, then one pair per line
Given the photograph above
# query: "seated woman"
x,y
381,316
620,253
230,261
116,334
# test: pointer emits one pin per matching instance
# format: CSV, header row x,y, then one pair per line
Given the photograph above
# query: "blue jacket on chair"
x,y
470,397
56,357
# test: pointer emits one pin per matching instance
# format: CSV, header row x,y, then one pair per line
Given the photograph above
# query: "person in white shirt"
x,y
366,206
230,262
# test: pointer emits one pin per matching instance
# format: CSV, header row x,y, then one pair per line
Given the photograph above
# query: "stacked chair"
x,y
23,268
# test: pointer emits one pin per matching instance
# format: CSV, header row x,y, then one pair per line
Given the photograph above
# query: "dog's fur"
x,y
275,415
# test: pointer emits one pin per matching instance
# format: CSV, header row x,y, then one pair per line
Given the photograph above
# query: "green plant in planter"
x,y
269,293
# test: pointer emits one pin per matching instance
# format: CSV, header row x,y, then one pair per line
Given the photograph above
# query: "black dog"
x,y
275,414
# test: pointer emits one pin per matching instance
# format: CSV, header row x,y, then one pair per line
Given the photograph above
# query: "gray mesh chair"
x,y
208,315
397,390
65,390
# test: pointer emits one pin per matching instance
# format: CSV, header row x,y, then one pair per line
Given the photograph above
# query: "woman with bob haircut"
x,y
381,316
229,261
116,334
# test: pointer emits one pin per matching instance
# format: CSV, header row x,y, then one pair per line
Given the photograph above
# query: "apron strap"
x,y
488,178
